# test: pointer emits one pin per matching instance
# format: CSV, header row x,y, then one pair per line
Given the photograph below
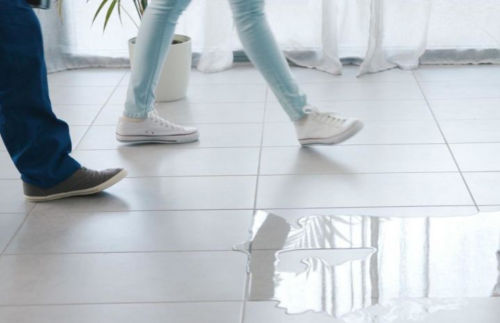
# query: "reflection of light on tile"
x,y
496,290
360,267
326,277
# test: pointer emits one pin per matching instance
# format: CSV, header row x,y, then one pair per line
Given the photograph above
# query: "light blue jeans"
x,y
156,35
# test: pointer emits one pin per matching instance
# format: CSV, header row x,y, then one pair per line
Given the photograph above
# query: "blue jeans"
x,y
156,35
38,143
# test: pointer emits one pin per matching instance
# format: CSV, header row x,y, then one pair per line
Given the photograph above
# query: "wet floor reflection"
x,y
359,268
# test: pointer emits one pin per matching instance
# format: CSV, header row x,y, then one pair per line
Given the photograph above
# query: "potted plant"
x,y
174,77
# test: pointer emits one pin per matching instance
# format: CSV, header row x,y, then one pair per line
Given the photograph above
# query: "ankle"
x,y
133,119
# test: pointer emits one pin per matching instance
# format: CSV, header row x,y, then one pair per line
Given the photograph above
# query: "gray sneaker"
x,y
83,182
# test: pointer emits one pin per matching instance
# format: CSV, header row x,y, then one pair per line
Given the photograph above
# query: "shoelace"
x,y
325,117
156,118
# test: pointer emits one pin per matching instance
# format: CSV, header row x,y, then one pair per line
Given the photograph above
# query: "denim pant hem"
x,y
295,115
70,168
143,114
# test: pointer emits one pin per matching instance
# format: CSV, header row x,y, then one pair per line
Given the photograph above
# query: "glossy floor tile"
x,y
9,224
121,278
209,312
78,95
369,91
244,74
360,267
471,131
374,132
257,312
77,115
158,247
484,187
464,74
425,211
157,160
7,168
77,133
12,197
185,112
211,136
458,90
356,159
87,77
477,157
165,193
474,310
349,190
118,96
364,110
454,109
109,115
60,232
227,92
211,93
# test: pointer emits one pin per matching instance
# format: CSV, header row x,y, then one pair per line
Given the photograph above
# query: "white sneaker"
x,y
153,129
325,128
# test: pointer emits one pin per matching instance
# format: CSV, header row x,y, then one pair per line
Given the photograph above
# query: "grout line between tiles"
x,y
302,174
150,252
280,122
7,245
247,280
281,146
15,213
119,303
295,174
99,112
446,142
69,253
43,212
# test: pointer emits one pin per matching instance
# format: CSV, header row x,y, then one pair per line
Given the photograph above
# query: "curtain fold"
x,y
379,34
326,58
53,35
398,34
217,50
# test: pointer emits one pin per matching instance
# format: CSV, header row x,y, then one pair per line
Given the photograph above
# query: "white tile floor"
x,y
157,247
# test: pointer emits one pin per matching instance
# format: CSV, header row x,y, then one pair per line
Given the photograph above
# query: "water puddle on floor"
x,y
373,269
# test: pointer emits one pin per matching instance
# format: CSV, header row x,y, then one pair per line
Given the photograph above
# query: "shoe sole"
x,y
89,191
177,139
341,137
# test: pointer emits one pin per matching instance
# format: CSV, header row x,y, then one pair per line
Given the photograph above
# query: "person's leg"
x,y
141,123
263,51
152,45
37,141
312,126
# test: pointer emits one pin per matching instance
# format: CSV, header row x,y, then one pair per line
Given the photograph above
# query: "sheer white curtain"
x,y
377,34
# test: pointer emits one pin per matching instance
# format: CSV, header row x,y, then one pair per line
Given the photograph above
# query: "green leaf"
x,y
108,14
99,9
144,6
119,4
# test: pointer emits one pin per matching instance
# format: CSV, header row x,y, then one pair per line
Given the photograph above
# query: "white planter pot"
x,y
174,78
